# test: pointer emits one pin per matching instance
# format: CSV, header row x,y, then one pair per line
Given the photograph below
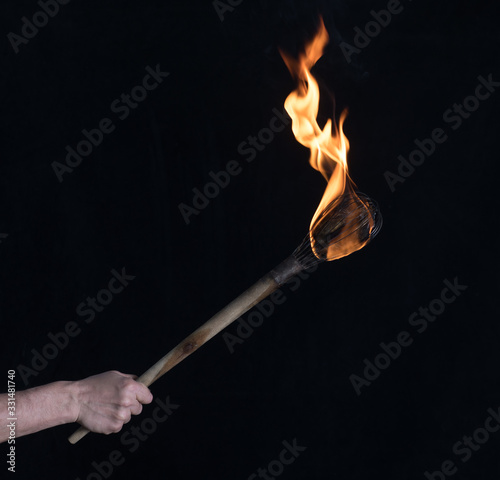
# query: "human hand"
x,y
105,402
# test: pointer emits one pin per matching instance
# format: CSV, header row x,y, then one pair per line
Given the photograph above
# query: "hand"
x,y
108,400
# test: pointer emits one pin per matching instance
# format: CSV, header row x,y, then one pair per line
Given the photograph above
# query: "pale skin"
x,y
102,403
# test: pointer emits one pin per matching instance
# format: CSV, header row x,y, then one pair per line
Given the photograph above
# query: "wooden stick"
x,y
234,310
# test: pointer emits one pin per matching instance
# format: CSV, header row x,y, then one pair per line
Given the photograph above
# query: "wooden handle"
x,y
77,435
251,297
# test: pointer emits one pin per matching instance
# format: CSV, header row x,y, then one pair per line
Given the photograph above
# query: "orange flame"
x,y
329,147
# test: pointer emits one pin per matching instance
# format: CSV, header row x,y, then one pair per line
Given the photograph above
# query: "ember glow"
x,y
343,222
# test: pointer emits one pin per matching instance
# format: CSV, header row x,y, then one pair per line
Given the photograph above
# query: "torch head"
x,y
346,225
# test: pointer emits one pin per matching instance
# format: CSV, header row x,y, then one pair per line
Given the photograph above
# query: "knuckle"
x,y
116,415
128,382
122,413
127,388
124,397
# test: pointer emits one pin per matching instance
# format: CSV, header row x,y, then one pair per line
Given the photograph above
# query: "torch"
x,y
344,222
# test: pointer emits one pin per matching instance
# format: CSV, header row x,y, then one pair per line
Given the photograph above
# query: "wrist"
x,y
70,401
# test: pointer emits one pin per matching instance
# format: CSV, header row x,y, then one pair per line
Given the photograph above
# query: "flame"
x,y
329,147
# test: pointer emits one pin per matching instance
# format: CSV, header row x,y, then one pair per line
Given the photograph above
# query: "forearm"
x,y
40,408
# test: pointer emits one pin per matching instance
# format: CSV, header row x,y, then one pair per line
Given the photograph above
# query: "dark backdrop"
x,y
119,208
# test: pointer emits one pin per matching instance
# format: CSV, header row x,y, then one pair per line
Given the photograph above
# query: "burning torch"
x,y
344,222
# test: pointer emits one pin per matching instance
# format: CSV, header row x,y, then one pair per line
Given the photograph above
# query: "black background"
x,y
119,208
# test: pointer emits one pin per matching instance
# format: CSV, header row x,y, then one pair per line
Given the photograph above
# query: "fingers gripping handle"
x,y
147,378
